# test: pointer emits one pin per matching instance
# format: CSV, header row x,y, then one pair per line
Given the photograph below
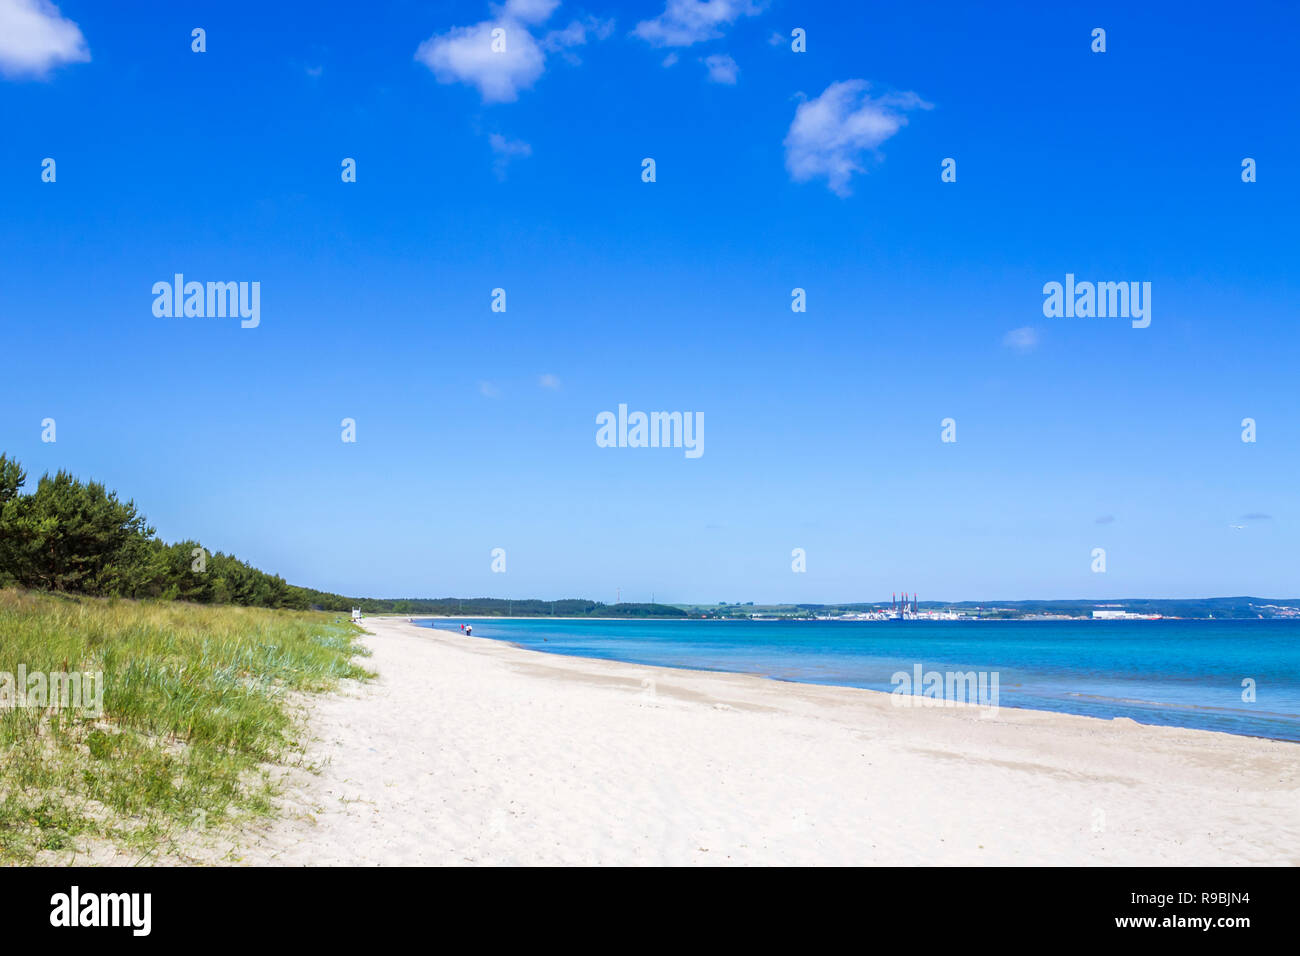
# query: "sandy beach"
x,y
471,751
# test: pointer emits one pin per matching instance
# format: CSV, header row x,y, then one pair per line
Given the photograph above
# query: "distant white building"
x,y
1113,615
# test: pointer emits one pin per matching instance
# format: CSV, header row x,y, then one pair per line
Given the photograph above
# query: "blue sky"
x,y
476,429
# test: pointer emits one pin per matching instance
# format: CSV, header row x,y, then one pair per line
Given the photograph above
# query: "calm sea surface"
x,y
1180,673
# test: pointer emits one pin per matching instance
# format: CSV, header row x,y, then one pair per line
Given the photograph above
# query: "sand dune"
x,y
470,751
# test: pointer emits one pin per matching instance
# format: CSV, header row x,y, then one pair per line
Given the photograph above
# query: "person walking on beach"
x,y
469,629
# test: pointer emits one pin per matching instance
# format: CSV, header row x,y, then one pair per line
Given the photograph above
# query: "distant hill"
x,y
491,607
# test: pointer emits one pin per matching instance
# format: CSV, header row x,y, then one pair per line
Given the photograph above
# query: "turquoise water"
x,y
1179,673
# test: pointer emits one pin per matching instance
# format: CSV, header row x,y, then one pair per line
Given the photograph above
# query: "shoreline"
x,y
823,620
789,680
471,750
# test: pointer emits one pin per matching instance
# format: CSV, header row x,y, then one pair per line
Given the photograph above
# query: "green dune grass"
x,y
196,718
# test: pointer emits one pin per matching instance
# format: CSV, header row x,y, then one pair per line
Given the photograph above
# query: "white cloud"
x,y
509,147
466,54
576,33
830,134
527,11
488,390
549,381
505,150
1024,339
722,68
670,60
34,37
685,22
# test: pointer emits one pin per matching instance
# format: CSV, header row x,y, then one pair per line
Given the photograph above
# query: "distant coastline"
x,y
1128,609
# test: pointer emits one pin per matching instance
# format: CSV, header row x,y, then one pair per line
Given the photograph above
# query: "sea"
x,y
1239,677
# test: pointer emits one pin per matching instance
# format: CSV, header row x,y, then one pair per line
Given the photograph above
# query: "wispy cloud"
x,y
722,68
35,37
831,135
686,22
1023,339
505,150
549,381
501,66
488,390
576,34
529,11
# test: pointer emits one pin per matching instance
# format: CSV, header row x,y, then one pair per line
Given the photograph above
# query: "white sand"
x,y
470,751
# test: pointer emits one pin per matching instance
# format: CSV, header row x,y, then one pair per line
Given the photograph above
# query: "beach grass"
x,y
197,723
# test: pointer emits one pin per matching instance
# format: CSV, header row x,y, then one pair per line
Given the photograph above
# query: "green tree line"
x,y
78,537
